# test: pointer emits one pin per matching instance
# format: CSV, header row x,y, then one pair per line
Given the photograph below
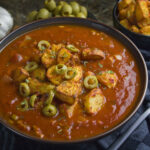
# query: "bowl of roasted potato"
x,y
132,17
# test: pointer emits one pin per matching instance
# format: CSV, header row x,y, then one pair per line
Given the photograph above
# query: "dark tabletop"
x,y
139,140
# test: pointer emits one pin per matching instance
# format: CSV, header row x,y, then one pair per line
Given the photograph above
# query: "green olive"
x,y
83,10
43,14
42,45
60,68
70,73
32,16
75,7
72,48
57,10
62,3
50,97
50,4
24,89
90,82
32,100
23,106
80,15
31,66
66,10
49,110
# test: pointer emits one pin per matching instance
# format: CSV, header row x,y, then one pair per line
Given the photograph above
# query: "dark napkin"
x,y
139,140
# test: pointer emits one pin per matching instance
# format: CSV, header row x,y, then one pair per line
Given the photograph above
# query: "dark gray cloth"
x,y
139,140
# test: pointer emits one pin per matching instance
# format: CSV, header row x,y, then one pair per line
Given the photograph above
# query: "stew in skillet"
x,y
67,82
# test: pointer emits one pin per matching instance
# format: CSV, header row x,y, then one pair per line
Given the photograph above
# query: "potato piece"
x,y
144,22
124,3
68,110
53,77
122,14
94,101
135,29
39,87
57,47
108,78
79,74
145,30
130,13
68,91
39,73
125,23
75,60
19,74
64,56
48,58
141,11
92,54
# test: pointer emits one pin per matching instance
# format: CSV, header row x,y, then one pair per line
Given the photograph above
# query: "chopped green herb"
x,y
104,87
59,131
100,65
110,72
26,80
53,56
100,73
65,55
85,63
99,84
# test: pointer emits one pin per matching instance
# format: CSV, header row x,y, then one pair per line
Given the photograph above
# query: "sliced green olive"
x,y
66,10
72,48
14,117
23,106
49,110
43,14
42,45
83,10
70,73
75,7
31,66
32,100
60,68
50,97
90,82
24,89
80,15
50,4
57,10
32,16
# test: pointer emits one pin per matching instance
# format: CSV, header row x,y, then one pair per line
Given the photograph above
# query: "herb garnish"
x,y
100,65
110,72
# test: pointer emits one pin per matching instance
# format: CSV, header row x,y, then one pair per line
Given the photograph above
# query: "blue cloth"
x,y
139,140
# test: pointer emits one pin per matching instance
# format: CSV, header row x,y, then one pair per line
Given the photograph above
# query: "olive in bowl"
x,y
133,28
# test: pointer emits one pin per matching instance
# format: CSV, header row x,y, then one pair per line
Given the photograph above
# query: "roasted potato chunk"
x,y
19,74
57,47
64,56
145,30
130,13
68,91
142,11
93,101
124,3
53,77
39,73
144,22
92,54
68,110
48,58
79,74
108,78
122,14
135,29
125,23
39,87
89,73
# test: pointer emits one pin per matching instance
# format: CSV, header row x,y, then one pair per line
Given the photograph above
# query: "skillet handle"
x,y
124,136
